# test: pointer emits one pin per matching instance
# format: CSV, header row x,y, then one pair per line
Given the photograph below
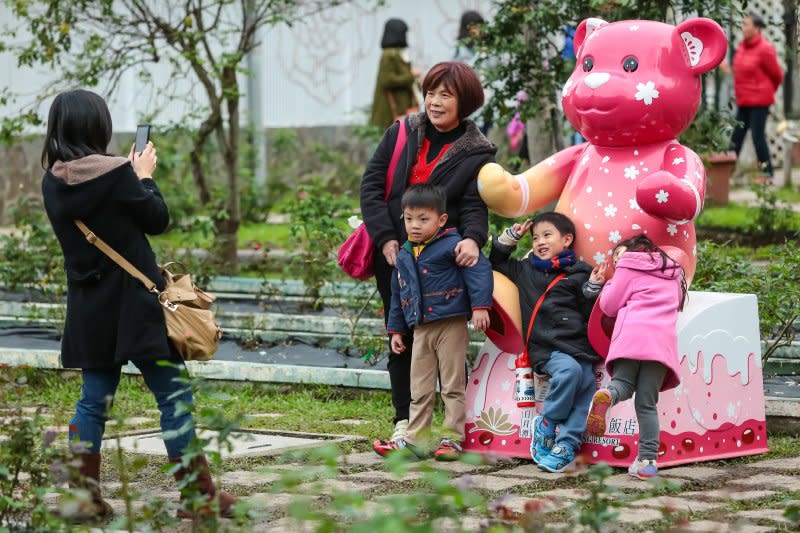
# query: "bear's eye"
x,y
630,64
588,63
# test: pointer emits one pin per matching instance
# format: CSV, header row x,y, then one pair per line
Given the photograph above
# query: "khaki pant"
x,y
439,347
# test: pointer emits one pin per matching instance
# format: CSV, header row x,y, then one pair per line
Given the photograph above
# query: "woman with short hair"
x,y
443,148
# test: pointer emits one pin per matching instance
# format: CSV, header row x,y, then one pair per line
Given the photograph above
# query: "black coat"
x,y
456,173
561,321
111,317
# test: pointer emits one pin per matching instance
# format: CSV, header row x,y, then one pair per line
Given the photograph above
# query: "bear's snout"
x,y
596,79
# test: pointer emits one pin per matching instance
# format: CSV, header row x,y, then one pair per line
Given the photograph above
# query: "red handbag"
x,y
357,252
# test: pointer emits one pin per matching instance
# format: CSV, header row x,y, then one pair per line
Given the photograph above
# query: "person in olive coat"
x,y
394,88
111,317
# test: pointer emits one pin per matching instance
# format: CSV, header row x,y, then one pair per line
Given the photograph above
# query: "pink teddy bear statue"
x,y
635,89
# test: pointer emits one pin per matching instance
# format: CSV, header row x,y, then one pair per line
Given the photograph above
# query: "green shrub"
x,y
31,256
319,226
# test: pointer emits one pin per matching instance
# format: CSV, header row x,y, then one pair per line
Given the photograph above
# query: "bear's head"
x,y
638,81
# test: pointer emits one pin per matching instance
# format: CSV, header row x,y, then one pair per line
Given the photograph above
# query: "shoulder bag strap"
x,y
114,256
398,149
537,306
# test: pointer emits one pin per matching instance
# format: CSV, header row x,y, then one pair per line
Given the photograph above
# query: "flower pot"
x,y
721,168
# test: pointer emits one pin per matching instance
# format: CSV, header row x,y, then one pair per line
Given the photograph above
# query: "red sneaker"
x,y
385,447
448,450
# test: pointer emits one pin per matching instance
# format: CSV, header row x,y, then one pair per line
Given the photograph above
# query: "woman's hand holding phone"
x,y
144,163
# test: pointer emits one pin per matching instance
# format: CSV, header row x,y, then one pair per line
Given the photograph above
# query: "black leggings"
x,y
754,118
399,365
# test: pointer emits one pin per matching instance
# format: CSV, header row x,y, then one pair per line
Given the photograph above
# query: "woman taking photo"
x,y
443,148
111,318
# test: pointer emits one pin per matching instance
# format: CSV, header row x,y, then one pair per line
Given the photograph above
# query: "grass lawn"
x,y
788,194
309,408
736,216
250,233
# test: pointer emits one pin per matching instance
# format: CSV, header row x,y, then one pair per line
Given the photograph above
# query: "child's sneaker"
x,y
597,420
541,443
400,430
643,468
448,450
559,459
385,447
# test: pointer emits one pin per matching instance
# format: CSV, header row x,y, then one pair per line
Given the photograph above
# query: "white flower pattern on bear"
x,y
646,92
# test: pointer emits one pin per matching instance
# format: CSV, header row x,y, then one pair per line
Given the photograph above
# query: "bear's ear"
x,y
704,43
585,28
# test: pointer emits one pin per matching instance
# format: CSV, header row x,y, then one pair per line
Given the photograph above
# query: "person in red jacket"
x,y
756,77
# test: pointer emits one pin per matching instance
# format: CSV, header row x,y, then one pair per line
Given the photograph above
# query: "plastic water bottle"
x,y
523,391
523,386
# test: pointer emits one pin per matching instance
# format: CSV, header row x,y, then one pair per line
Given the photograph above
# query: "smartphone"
x,y
142,138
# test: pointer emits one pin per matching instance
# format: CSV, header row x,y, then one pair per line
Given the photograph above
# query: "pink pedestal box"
x,y
716,412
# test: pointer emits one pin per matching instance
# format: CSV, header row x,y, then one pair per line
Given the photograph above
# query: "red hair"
x,y
460,79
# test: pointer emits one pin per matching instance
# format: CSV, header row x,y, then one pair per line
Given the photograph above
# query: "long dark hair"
x,y
79,124
642,243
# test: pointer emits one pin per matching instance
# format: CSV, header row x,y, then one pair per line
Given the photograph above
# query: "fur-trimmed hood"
x,y
472,140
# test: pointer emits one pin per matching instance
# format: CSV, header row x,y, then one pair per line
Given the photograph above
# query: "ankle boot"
x,y
90,480
205,485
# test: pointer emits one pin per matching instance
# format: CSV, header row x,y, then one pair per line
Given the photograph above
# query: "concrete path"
x,y
709,497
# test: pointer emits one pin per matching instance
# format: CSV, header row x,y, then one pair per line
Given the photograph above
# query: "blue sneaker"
x,y
559,459
643,469
541,443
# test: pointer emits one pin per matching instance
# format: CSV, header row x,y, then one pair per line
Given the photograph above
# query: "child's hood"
x,y
652,263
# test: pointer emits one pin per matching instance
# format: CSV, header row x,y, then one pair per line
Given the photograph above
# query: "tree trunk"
x,y
227,230
791,106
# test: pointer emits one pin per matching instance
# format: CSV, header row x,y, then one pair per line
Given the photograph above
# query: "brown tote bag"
x,y
187,310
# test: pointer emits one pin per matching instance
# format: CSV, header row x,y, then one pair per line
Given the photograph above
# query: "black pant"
x,y
754,118
399,365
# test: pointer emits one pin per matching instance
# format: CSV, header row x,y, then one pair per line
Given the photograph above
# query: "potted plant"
x,y
709,136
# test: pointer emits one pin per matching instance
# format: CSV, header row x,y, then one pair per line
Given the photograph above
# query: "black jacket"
x,y
456,173
562,318
111,317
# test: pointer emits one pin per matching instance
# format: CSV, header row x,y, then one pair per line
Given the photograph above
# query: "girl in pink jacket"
x,y
645,294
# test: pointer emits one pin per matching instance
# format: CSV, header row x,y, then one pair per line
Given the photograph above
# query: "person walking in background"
x,y
434,296
645,294
111,317
468,31
443,148
756,77
395,94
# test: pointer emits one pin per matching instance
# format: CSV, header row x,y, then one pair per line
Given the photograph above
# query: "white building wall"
x,y
319,72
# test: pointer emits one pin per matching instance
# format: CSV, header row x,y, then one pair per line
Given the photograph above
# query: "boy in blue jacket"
x,y
435,297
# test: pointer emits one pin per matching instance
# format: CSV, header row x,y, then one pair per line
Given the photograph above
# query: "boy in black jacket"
x,y
433,296
558,344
